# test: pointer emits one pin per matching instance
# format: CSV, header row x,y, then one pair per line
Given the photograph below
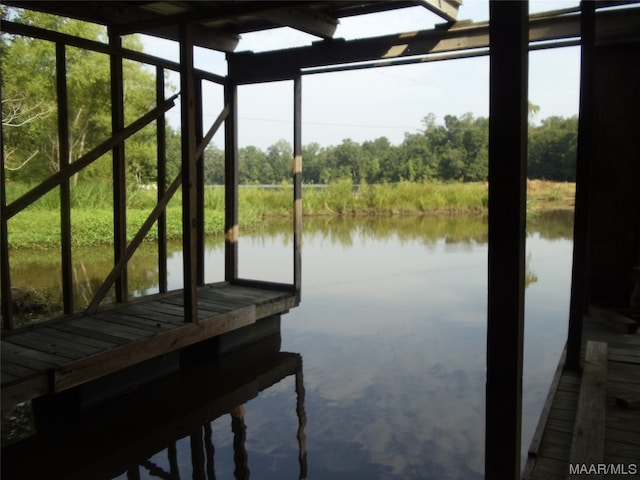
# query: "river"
x,y
392,334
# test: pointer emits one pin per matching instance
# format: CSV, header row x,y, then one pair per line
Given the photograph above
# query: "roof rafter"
x,y
303,19
447,9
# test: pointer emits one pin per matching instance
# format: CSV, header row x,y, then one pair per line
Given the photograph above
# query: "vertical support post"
x,y
65,193
508,33
199,181
189,177
297,185
5,275
302,422
161,141
231,183
580,269
119,168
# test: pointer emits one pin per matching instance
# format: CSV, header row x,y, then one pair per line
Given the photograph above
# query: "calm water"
x,y
391,331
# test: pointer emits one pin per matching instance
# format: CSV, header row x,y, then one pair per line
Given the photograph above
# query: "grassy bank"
x,y
92,218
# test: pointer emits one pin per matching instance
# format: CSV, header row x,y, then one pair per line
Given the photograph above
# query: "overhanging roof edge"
x,y
249,67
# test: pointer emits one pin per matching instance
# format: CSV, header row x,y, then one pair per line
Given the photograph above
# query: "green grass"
x,y
38,226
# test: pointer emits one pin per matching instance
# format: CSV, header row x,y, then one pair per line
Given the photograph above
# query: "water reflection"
x,y
193,424
392,329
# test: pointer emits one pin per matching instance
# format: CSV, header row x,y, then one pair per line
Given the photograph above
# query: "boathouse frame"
x,y
607,36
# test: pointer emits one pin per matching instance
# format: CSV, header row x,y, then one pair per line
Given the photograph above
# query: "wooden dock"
x,y
585,421
55,356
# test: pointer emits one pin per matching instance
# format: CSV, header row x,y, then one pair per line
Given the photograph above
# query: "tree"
x,y
552,149
29,86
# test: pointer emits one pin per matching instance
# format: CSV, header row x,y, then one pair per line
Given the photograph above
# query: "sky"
x,y
390,101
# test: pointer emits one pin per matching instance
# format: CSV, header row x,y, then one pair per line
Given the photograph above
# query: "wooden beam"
x,y
54,180
70,40
202,37
199,182
121,263
581,230
297,185
249,67
447,9
65,193
303,19
189,175
231,184
119,166
507,223
161,145
5,275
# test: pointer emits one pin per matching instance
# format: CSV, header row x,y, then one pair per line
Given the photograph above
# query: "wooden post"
x,y
5,276
199,181
580,271
231,183
508,33
65,193
297,185
119,168
189,177
161,138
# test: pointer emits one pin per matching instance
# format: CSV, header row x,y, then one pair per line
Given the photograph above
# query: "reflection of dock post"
x,y
197,455
133,473
209,451
239,430
172,454
302,421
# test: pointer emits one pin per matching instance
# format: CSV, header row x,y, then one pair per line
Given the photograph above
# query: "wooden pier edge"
x,y
536,440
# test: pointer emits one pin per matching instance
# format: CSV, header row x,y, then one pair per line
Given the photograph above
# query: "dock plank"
x,y
28,357
587,445
89,333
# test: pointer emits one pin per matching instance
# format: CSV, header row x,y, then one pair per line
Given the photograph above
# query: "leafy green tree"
x,y
552,149
29,108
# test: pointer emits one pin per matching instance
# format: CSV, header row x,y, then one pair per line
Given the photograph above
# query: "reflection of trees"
x,y
37,275
552,225
39,272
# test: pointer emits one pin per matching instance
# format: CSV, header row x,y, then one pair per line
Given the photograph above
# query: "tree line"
x,y
455,150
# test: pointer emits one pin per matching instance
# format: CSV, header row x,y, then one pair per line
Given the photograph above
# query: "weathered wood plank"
x,y
89,333
52,345
587,446
127,320
16,370
75,338
91,368
29,357
101,324
156,312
